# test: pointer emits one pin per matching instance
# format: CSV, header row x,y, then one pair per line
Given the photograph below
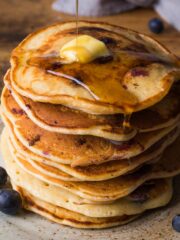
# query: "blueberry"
x,y
108,40
10,201
3,176
176,223
156,25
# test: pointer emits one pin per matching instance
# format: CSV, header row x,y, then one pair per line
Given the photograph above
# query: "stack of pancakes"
x,y
91,145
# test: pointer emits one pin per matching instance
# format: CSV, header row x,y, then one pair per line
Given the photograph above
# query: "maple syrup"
x,y
77,22
126,122
75,80
77,18
102,79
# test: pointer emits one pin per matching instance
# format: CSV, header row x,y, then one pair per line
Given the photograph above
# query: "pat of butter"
x,y
83,49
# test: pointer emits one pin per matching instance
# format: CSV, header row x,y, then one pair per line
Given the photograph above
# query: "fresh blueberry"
x,y
156,25
108,40
10,201
176,223
3,176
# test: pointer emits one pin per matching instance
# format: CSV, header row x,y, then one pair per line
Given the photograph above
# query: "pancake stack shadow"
x,y
76,161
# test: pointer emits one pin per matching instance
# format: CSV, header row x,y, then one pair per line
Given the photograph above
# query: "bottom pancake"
x,y
69,218
66,217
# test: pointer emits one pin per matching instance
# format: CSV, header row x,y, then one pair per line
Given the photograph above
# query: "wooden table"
x,y
18,18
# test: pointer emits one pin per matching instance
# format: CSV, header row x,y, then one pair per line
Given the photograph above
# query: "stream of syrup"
x,y
126,122
77,22
77,18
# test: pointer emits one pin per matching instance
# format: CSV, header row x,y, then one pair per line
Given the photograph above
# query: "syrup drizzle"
x,y
77,22
66,75
77,18
126,122
74,80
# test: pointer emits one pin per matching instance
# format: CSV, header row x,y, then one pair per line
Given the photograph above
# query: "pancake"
x,y
76,150
66,217
46,169
93,172
163,114
58,118
105,191
138,75
148,196
153,200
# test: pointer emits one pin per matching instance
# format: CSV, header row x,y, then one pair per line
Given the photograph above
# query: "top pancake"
x,y
139,75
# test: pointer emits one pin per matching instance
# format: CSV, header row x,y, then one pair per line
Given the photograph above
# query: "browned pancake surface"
x,y
59,116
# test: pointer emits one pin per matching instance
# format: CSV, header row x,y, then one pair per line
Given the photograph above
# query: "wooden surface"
x,y
18,18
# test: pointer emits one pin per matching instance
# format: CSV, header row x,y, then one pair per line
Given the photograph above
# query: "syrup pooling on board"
x,y
104,77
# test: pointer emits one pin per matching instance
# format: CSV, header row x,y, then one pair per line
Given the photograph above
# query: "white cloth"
x,y
170,11
93,7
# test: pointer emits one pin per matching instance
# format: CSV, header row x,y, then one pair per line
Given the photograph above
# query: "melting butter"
x,y
83,49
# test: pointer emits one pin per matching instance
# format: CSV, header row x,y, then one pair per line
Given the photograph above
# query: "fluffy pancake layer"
x,y
93,172
58,118
69,218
